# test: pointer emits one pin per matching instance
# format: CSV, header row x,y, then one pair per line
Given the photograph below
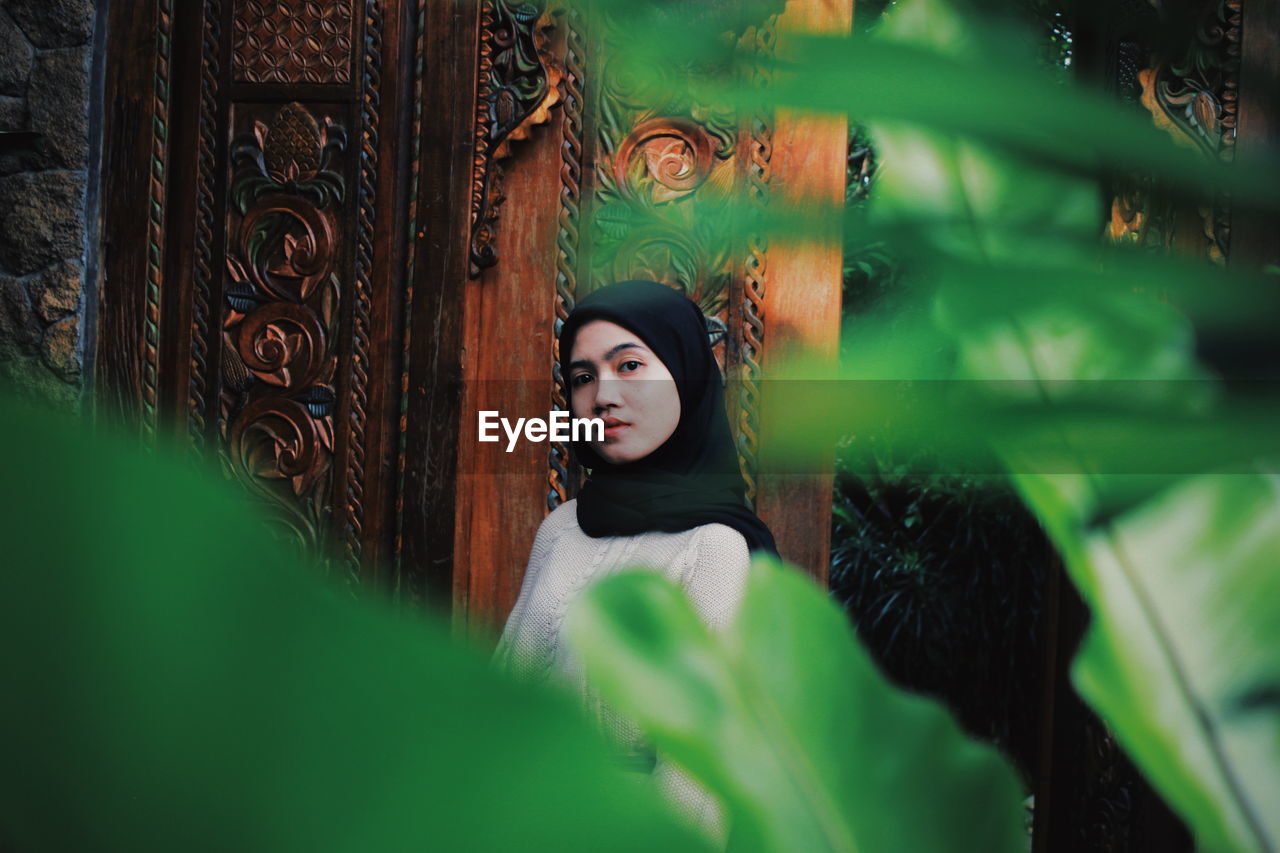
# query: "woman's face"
x,y
614,376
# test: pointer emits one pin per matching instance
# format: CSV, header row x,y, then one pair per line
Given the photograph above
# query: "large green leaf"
x,y
787,720
1182,655
935,64
175,680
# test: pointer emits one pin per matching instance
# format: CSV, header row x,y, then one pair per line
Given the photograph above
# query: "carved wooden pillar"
x,y
802,302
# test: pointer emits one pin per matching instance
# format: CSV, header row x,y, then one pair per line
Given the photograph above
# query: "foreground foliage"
x,y
785,717
1015,333
176,680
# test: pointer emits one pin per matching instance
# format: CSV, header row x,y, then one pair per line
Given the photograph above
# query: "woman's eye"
x,y
632,361
580,379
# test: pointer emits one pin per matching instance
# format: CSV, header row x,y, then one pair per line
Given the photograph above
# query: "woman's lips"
x,y
613,426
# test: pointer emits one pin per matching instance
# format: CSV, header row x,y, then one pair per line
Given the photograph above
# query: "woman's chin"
x,y
615,455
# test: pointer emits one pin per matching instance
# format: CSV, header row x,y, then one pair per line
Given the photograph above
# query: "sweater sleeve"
x,y
714,580
543,541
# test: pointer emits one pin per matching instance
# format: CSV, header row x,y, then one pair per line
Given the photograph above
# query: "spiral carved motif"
x,y
297,242
277,438
282,343
1194,97
679,155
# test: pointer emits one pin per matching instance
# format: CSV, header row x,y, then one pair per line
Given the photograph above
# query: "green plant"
x,y
175,679
1018,334
787,720
942,575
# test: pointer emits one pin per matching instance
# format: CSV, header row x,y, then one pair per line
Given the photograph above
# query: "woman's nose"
x,y
608,393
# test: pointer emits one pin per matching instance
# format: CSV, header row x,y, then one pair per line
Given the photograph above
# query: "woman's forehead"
x,y
598,337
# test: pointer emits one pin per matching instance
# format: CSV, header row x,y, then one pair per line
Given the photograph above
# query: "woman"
x,y
664,491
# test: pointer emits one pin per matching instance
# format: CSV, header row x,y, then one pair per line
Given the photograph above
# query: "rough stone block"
x,y
54,23
60,349
58,102
55,293
20,329
13,113
29,379
41,220
15,57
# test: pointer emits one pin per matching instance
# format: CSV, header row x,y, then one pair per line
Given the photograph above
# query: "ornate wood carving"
x,y
358,415
308,41
567,237
1193,96
660,155
279,322
658,152
519,83
758,172
158,192
199,379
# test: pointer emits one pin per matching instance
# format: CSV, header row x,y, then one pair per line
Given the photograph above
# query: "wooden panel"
x,y
293,43
1255,237
510,325
434,339
135,122
802,302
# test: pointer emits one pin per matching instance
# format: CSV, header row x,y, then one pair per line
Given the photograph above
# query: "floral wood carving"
x,y
660,153
304,41
1193,96
278,325
519,83
678,155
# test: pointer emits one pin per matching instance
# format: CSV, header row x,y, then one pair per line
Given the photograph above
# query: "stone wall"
x,y
46,60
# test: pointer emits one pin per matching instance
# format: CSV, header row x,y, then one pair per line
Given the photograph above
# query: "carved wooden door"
x,y
336,231
255,274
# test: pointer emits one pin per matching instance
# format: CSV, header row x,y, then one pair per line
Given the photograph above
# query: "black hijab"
x,y
693,478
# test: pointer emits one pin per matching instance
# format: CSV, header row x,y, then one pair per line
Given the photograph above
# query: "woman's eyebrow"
x,y
584,363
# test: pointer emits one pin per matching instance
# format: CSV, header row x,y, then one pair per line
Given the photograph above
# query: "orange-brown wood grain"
x,y
507,367
802,297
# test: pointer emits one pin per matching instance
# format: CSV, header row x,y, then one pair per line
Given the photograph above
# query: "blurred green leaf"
x,y
943,67
175,680
1182,655
786,719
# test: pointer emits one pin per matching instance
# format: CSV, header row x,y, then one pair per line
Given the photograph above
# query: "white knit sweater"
x,y
709,562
